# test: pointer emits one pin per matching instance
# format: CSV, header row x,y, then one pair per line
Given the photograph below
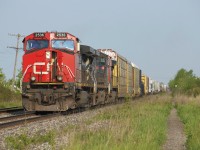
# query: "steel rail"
x,y
45,117
17,117
11,109
8,108
27,120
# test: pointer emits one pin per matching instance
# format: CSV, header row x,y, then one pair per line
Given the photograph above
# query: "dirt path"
x,y
175,136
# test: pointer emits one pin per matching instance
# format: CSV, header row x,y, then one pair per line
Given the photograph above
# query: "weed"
x,y
133,125
6,104
9,98
19,142
189,112
23,141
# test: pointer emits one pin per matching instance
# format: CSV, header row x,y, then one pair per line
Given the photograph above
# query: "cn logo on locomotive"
x,y
35,71
40,64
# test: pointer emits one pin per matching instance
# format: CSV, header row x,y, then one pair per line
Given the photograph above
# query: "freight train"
x,y
60,74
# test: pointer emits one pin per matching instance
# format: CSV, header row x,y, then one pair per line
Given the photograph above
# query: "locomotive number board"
x,y
39,34
61,34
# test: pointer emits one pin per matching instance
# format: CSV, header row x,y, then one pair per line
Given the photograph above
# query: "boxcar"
x,y
136,80
130,79
145,81
122,73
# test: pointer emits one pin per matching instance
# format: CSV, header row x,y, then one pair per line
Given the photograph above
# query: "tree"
x,y
2,77
185,82
18,79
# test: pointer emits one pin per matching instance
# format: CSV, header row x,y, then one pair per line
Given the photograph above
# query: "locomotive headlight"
x,y
59,78
33,78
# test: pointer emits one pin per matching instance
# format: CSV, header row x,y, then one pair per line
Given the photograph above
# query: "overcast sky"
x,y
160,36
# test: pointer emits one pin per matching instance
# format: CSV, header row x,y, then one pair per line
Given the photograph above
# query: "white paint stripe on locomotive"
x,y
69,70
24,75
39,64
58,67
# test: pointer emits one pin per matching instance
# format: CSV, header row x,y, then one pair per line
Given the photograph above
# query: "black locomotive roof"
x,y
84,49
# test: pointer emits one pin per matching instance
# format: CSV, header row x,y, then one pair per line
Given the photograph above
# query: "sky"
x,y
159,36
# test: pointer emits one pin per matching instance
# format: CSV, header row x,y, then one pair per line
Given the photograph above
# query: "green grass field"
x,y
133,125
189,112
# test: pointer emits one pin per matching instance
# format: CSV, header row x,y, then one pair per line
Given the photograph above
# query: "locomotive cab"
x,y
49,71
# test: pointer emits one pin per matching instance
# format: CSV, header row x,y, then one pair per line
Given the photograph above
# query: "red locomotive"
x,y
59,73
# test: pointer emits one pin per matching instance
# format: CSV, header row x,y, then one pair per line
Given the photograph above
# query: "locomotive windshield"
x,y
36,44
63,44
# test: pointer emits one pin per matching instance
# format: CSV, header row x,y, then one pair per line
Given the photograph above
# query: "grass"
x,y
137,125
6,104
189,112
9,98
22,141
134,125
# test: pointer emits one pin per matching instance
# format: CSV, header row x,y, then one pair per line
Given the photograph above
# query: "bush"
x,y
8,97
185,82
189,112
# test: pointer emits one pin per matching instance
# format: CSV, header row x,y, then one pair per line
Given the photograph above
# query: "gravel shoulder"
x,y
176,138
43,127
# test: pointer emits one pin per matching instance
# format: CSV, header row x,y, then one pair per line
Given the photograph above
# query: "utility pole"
x,y
16,54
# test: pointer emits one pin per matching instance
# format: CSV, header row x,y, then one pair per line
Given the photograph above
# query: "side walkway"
x,y
176,138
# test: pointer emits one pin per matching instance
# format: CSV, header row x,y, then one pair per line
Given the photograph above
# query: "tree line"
x,y
6,91
8,83
185,82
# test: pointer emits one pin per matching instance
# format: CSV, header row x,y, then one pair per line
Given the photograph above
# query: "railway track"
x,y
11,110
12,121
32,117
25,120
16,117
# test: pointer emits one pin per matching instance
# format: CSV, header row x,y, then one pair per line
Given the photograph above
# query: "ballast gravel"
x,y
43,127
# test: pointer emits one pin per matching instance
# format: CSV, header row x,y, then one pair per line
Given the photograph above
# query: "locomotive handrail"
x,y
58,67
69,70
24,75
